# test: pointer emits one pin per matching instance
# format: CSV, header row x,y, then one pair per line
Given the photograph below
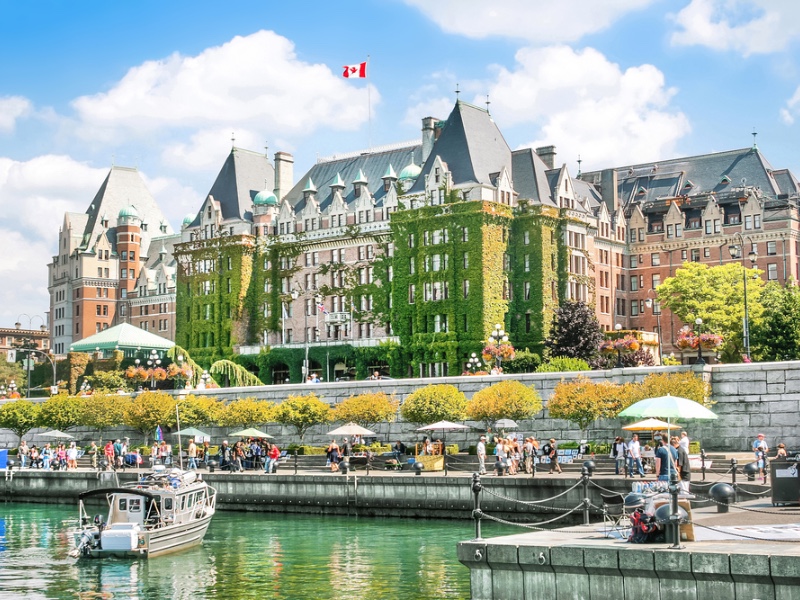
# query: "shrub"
x,y
524,361
367,409
302,413
506,399
561,364
582,401
432,403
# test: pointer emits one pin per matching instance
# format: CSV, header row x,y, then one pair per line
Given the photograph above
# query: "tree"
x,y
686,385
715,295
302,413
504,400
101,411
575,332
432,403
245,412
60,412
19,416
582,401
776,335
234,375
147,411
108,381
200,410
367,409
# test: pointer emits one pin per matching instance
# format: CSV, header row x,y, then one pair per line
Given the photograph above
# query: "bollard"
x,y
418,466
295,462
703,463
674,517
734,469
585,474
476,510
444,459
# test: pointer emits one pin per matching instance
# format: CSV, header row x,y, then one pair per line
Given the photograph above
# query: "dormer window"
x,y
725,180
688,185
641,191
437,175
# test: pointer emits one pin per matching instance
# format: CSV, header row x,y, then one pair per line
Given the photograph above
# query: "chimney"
x,y
428,136
608,189
284,174
548,155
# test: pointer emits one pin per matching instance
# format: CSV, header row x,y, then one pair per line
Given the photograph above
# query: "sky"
x,y
166,86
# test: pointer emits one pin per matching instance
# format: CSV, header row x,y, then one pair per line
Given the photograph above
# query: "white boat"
x,y
165,511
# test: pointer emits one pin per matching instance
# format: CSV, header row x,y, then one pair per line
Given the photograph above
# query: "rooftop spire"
x,y
754,134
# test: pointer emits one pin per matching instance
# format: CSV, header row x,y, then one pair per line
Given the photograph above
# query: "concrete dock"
x,y
752,552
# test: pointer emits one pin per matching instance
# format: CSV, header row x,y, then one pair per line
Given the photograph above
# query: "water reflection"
x,y
245,555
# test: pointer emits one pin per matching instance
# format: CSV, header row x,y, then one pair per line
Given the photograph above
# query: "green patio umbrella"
x,y
250,432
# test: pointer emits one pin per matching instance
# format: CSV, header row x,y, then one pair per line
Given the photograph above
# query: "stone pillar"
x,y
473,555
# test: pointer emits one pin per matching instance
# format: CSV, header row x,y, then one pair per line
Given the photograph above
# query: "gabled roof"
x,y
530,181
471,145
123,336
242,176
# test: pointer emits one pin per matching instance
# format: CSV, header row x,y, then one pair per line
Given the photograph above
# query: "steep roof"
x,y
123,336
471,145
242,176
372,165
530,180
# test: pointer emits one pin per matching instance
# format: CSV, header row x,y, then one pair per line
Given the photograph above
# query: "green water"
x,y
244,555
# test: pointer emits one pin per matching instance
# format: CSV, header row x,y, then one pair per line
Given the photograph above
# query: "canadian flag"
x,y
358,71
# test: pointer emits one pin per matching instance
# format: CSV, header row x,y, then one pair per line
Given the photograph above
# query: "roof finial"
x,y
579,166
754,134
457,92
266,148
113,159
487,103
233,140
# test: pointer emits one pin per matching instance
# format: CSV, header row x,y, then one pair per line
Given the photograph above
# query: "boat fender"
x,y
141,541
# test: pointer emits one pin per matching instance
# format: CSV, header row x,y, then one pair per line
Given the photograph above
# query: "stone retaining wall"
x,y
750,398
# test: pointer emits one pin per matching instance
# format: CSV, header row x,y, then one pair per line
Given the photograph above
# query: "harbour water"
x,y
244,555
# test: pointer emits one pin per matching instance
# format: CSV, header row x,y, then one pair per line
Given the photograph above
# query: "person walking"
x,y
664,458
760,448
93,451
684,441
635,456
481,451
553,454
619,451
684,468
23,453
192,454
72,456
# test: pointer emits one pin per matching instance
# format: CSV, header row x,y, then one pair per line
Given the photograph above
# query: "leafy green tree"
x,y
506,399
60,412
432,403
575,332
11,372
686,385
200,410
19,416
109,381
776,335
716,295
245,412
367,409
101,411
147,411
302,413
581,401
561,364
524,361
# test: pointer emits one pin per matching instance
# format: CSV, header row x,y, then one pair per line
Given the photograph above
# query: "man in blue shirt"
x,y
663,458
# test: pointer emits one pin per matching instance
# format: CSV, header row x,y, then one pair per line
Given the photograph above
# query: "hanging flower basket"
x,y
607,347
710,341
686,340
495,351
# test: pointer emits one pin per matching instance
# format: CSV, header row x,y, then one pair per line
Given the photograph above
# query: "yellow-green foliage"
x,y
237,375
147,411
60,412
506,399
302,413
246,412
19,416
367,409
432,403
582,401
200,410
685,385
101,411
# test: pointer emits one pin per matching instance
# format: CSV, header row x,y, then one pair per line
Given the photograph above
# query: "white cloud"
x,y
11,109
537,22
743,26
253,83
207,148
585,104
792,108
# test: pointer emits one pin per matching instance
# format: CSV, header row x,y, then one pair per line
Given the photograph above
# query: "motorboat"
x,y
164,511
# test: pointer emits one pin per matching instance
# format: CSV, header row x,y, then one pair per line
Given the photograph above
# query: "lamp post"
x,y
205,378
656,306
498,337
619,365
12,388
473,363
304,293
153,362
698,322
737,252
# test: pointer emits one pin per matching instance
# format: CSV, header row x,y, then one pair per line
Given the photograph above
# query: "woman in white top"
x,y
684,442
72,456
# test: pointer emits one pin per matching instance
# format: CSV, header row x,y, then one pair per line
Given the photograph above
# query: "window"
x,y
133,255
708,226
634,283
634,308
683,254
706,252
641,234
757,221
678,230
656,281
772,272
527,263
124,273
466,288
527,290
411,240
772,248
412,292
695,254
748,222
632,235
634,261
717,226
655,259
526,238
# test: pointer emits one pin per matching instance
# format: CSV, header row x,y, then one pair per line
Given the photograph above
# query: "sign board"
x,y
28,364
53,390
337,317
11,356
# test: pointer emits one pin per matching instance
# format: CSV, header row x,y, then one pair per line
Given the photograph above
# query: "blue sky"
x,y
162,86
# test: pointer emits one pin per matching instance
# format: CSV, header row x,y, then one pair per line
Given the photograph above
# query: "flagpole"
x,y
369,108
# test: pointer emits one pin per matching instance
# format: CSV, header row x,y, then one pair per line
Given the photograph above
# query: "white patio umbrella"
x,y
56,434
352,429
650,425
506,424
250,432
444,426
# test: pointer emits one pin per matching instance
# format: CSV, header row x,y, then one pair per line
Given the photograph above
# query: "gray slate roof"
x,y
471,145
530,179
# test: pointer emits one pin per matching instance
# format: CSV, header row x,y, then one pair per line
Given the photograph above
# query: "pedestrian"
x,y
93,451
684,468
400,449
224,455
47,456
333,453
760,448
553,454
23,453
781,454
206,452
108,452
619,451
481,452
684,441
635,456
376,375
192,454
118,453
72,456
664,460
61,455
154,460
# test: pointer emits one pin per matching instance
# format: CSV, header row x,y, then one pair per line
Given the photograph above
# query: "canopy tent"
x,y
352,429
125,337
651,425
55,434
250,432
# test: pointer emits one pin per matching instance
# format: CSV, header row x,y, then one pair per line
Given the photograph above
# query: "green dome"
x,y
411,171
128,211
265,198
187,220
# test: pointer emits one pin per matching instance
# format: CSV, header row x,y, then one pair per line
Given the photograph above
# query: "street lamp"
x,y
737,252
473,363
153,362
698,322
12,388
656,306
304,293
497,337
205,378
619,365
